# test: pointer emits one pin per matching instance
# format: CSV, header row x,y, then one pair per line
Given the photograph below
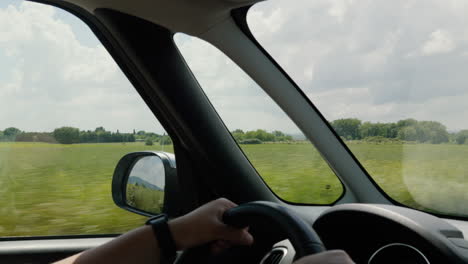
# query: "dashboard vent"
x,y
275,256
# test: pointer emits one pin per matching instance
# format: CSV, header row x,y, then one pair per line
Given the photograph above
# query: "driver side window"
x,y
67,115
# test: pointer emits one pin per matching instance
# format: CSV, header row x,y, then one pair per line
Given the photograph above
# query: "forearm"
x,y
140,246
137,246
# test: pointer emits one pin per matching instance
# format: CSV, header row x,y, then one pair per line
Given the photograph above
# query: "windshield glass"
x,y
390,77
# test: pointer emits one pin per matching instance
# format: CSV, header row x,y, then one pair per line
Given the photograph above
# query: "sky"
x,y
150,169
54,73
379,61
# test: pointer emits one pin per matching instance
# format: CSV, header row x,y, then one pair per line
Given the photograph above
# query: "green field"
x,y
425,176
53,189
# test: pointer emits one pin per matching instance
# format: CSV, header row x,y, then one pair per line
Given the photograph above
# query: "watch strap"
x,y
164,237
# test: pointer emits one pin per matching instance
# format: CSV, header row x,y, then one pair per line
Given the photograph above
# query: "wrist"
x,y
180,234
163,234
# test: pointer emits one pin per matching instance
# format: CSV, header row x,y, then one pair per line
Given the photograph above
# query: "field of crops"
x,y
53,189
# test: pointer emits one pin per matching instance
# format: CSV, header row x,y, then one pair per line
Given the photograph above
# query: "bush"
x,y
67,135
149,142
251,141
165,140
461,137
382,140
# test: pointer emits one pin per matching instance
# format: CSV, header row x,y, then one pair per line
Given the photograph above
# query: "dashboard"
x,y
369,233
380,234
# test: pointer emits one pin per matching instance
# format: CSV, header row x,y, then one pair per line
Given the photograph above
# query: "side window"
x,y
286,160
67,115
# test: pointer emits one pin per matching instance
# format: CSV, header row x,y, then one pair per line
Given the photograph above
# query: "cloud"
x,y
339,8
50,78
240,102
439,42
404,54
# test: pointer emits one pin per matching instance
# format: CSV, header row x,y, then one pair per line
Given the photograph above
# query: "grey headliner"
x,y
192,17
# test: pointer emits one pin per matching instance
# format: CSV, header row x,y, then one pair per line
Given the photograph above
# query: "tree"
x,y
67,135
280,136
238,134
461,137
408,134
367,129
99,129
433,132
407,122
165,140
259,134
251,141
11,132
347,128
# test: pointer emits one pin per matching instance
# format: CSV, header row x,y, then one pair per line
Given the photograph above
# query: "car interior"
x,y
208,163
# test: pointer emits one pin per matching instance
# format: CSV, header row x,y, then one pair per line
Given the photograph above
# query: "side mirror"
x,y
140,181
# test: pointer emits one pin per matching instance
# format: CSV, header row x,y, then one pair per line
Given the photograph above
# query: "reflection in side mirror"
x,y
143,181
145,185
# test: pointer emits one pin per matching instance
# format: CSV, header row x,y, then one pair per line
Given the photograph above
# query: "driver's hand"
x,y
327,257
205,225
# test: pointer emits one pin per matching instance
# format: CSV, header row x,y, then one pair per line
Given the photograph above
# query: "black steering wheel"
x,y
284,221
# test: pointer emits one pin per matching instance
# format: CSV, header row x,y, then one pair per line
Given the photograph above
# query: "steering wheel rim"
x,y
301,235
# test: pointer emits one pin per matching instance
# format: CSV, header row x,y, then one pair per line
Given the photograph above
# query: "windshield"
x,y
390,77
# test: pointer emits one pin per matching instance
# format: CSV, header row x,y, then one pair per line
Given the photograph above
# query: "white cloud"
x,y
439,42
339,8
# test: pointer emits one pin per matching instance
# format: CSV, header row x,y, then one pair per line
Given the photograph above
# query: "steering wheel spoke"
x,y
279,219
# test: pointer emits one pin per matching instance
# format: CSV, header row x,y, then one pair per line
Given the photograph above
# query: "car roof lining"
x,y
198,16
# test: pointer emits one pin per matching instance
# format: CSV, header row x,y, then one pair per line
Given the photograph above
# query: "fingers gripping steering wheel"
x,y
301,235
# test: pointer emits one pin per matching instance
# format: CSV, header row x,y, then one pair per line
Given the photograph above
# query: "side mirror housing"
x,y
142,182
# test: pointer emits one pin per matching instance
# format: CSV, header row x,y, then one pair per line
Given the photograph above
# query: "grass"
x,y
53,189
295,172
424,176
145,199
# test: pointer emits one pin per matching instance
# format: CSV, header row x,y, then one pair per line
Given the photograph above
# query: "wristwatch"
x,y
164,237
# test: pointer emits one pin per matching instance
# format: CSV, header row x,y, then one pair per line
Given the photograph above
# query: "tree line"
x,y
72,135
259,136
348,128
404,130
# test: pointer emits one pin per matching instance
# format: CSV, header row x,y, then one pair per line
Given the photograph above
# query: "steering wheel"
x,y
301,235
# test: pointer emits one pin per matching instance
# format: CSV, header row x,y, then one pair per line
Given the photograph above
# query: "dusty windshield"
x,y
390,76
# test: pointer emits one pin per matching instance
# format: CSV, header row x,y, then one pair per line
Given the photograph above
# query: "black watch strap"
x,y
164,236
